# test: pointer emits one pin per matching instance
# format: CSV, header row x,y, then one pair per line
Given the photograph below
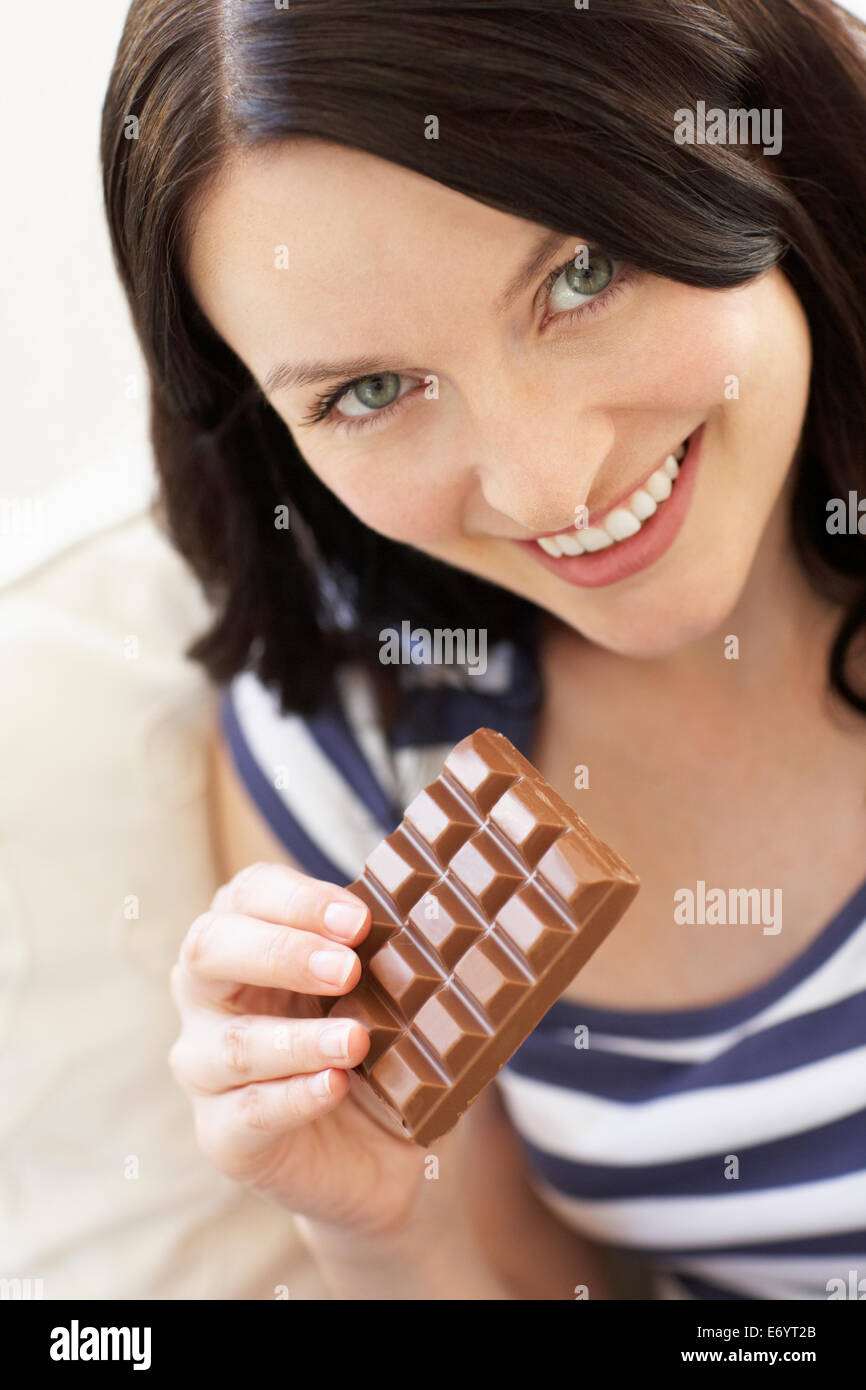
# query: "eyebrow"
x,y
534,263
286,375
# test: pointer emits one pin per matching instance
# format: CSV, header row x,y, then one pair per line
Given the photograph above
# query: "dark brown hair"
x,y
559,115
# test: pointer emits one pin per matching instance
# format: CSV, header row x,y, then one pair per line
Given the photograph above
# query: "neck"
x,y
779,632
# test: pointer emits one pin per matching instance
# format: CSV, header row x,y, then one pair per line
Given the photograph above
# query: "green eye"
x,y
591,279
371,393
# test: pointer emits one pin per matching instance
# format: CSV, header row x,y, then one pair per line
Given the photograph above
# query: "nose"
x,y
534,456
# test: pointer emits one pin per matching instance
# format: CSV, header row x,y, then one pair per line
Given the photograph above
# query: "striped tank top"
x,y
724,1146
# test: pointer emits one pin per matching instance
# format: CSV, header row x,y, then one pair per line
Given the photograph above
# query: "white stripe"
x,y
319,798
358,698
732,1218
496,678
775,1276
418,766
840,977
584,1128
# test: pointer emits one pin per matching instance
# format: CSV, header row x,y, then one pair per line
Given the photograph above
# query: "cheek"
x,y
389,493
688,346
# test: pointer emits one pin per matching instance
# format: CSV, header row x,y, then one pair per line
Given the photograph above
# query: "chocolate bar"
x,y
485,902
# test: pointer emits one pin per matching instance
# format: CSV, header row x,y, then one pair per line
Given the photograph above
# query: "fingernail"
x,y
322,1084
345,919
332,967
334,1042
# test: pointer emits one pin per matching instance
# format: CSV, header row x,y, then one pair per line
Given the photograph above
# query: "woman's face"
x,y
494,407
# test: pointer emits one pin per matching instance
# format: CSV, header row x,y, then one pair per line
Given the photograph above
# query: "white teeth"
x,y
642,505
620,524
659,485
624,521
550,544
593,538
569,543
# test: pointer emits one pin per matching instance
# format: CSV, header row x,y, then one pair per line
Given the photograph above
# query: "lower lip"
x,y
624,558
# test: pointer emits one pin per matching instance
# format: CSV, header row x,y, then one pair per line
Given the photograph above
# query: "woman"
x,y
510,319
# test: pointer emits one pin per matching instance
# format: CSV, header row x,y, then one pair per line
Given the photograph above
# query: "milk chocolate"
x,y
485,901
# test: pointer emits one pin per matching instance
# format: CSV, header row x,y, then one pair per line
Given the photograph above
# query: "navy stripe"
x,y
626,1079
715,1018
270,804
842,1243
432,716
810,1155
445,714
334,735
848,1246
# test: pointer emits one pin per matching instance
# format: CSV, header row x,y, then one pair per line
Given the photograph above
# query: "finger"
x,y
222,951
221,1053
278,893
240,1124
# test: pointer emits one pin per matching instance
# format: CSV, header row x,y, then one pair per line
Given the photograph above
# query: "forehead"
x,y
306,232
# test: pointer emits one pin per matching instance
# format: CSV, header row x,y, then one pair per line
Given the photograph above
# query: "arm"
x,y
499,1242
239,833
510,1245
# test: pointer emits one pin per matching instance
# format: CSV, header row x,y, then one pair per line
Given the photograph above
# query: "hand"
x,y
268,1080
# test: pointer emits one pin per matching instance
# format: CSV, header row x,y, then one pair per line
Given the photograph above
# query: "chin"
x,y
670,624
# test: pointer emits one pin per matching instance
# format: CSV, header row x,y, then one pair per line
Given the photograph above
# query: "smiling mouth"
x,y
624,520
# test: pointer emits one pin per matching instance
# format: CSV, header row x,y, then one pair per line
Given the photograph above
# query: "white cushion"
x,y
105,859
